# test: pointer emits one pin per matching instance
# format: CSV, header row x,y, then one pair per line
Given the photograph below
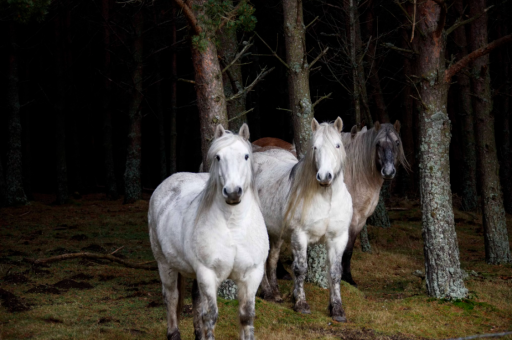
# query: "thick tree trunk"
x,y
298,74
60,117
442,265
14,173
466,129
3,187
174,107
132,177
211,101
497,248
232,78
108,152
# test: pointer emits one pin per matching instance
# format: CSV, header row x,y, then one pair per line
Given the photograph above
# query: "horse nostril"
x,y
224,192
239,191
329,176
318,177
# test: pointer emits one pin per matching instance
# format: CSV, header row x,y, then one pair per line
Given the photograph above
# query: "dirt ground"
x,y
97,299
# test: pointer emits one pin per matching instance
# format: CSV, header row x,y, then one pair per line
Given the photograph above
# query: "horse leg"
x,y
208,311
247,288
347,255
272,260
299,245
171,297
335,248
196,308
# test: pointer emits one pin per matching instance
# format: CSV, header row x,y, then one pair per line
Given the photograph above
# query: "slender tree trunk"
x,y
3,187
442,264
14,167
232,78
108,152
254,117
60,116
298,74
466,129
497,248
211,101
132,177
174,107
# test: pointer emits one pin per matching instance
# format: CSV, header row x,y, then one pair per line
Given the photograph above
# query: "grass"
x,y
126,303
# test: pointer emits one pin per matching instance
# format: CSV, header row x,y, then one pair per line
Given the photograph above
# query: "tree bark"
x,y
14,167
132,181
3,187
211,101
466,129
232,78
60,116
497,248
108,153
442,264
298,74
174,107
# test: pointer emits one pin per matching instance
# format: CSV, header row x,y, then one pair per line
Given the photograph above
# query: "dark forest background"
x,y
63,96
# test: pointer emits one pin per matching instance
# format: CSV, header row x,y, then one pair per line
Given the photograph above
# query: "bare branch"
x,y
311,23
393,47
240,114
413,21
237,56
186,80
458,66
249,88
107,257
191,18
281,109
459,23
318,57
273,53
321,98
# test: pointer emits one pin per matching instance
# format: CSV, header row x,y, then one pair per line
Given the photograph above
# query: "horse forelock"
x,y
303,174
207,196
361,155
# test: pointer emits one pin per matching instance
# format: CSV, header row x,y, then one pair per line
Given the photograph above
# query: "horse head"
x,y
230,159
328,153
388,149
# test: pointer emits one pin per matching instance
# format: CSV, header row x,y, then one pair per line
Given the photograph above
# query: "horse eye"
x,y
397,142
337,146
218,158
314,147
246,157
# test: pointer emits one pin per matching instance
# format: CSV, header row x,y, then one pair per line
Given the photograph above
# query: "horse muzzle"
x,y
234,197
388,174
325,181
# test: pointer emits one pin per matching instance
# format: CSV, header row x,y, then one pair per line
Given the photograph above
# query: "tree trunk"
x,y
211,101
60,117
174,108
232,78
497,248
3,187
466,129
14,173
442,265
298,74
380,217
132,181
108,153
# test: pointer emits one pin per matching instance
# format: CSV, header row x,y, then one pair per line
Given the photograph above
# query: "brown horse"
x,y
372,157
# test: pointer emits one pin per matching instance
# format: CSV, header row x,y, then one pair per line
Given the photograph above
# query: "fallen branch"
x,y
488,335
108,257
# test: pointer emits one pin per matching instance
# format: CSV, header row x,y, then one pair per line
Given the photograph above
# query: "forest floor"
x,y
85,299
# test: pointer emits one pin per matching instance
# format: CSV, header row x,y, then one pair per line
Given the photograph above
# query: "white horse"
x,y
306,202
209,227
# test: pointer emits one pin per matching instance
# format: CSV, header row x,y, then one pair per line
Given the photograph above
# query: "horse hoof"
x,y
302,307
339,318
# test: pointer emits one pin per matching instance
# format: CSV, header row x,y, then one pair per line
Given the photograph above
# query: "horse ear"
x,y
364,129
244,132
314,125
353,131
397,126
338,124
219,131
376,126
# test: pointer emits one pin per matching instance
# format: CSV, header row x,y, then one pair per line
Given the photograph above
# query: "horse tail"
x,y
181,294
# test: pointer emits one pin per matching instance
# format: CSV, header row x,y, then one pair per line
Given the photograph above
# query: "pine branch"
x,y
191,18
464,62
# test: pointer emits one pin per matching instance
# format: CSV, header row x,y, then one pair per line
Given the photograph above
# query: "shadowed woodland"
x,y
102,100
